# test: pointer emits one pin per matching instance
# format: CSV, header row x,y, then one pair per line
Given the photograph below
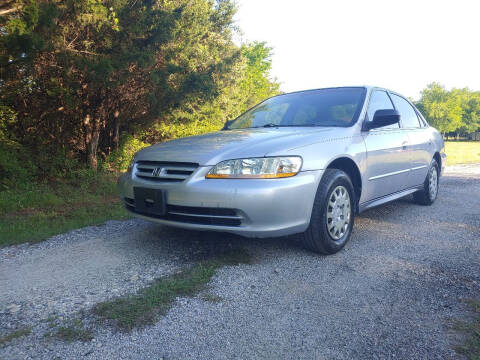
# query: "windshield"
x,y
324,107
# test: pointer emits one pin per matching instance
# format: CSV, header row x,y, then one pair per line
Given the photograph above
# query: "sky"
x,y
402,45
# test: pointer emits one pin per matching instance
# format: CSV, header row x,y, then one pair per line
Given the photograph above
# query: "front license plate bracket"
x,y
150,201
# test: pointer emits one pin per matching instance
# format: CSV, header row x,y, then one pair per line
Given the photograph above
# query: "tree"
x,y
249,84
470,104
441,108
79,72
8,7
258,56
457,110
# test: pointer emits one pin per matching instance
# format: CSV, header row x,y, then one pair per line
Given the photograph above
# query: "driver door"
x,y
388,162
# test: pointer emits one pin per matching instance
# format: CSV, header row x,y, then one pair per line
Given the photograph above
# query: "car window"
x,y
323,107
264,114
379,100
423,123
408,115
304,113
307,113
420,120
344,112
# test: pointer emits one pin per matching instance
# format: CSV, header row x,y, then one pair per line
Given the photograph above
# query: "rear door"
x,y
419,137
388,162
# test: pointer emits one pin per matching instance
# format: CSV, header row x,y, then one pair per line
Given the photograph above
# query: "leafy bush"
x,y
178,130
16,168
27,170
7,120
56,163
119,159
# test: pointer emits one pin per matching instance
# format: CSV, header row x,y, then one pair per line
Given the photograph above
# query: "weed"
x,y
143,308
75,331
212,298
14,335
471,329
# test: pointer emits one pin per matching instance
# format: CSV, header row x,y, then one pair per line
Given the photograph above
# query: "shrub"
x,y
178,130
16,167
119,159
8,118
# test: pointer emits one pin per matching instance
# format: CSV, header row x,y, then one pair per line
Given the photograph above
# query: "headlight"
x,y
256,168
131,164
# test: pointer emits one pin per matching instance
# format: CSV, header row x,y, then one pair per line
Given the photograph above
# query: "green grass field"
x,y
462,152
43,210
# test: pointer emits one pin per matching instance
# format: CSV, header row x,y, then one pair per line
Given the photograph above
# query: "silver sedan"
x,y
303,162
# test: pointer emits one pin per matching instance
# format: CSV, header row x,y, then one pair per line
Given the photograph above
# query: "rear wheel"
x,y
332,217
428,194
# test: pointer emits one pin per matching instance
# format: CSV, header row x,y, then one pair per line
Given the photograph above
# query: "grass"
x,y
75,331
212,298
39,211
471,348
143,308
14,335
462,152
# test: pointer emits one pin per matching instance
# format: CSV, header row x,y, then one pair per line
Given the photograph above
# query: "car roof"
x,y
367,87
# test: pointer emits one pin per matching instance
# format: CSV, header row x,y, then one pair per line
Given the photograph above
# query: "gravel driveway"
x,y
391,293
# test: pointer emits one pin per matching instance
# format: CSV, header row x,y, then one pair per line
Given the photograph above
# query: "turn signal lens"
x,y
256,168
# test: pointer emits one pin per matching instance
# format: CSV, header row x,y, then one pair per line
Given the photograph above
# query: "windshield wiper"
x,y
270,125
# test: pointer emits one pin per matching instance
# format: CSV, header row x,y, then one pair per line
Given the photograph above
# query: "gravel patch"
x,y
391,293
463,170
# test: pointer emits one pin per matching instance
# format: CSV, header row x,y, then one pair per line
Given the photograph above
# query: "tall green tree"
x,y
257,77
79,72
249,84
457,110
441,108
470,104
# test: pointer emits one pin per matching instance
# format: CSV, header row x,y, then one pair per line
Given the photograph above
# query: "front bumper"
x,y
248,207
443,158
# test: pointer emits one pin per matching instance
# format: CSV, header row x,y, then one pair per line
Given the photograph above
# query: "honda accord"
x,y
304,162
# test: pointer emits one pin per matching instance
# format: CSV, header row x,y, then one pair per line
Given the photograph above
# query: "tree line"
x,y
87,80
92,81
453,112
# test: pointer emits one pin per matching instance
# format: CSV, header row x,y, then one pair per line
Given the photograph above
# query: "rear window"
x,y
408,115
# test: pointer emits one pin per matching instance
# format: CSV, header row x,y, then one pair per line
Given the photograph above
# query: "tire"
x,y
322,235
428,194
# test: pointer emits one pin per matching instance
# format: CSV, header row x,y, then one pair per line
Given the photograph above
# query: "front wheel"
x,y
332,217
428,194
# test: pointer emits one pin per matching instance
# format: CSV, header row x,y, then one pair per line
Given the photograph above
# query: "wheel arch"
x,y
349,166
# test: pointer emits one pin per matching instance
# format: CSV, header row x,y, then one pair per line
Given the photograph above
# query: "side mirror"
x,y
383,118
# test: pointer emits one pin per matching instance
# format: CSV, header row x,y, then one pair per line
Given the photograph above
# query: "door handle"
x,y
404,145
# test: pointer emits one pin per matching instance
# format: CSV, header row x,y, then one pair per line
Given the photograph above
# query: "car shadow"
x,y
194,245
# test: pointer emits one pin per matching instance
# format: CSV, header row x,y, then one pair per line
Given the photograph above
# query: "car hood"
x,y
210,149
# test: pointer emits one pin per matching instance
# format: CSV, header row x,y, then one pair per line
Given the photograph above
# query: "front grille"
x,y
194,215
159,171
